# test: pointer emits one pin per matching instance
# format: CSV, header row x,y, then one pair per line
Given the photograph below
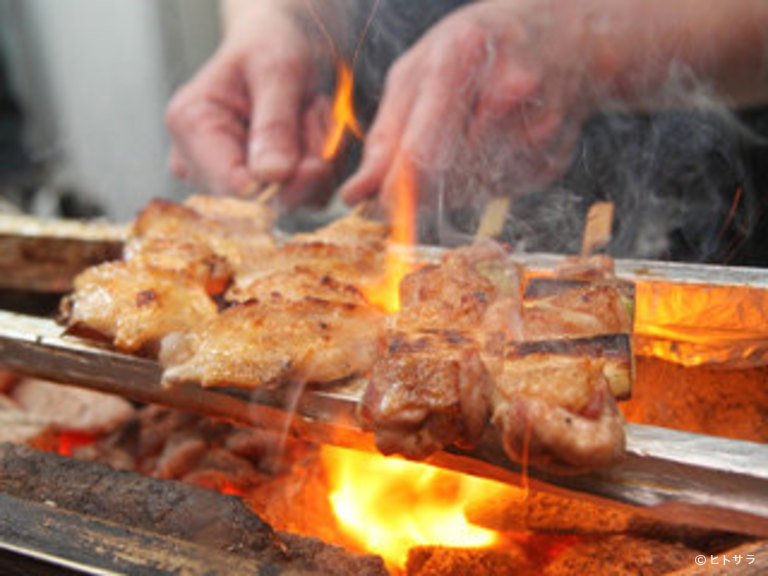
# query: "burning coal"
x,y
389,506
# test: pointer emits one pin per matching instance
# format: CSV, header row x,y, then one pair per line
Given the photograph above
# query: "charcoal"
x,y
316,555
621,555
437,561
166,507
169,508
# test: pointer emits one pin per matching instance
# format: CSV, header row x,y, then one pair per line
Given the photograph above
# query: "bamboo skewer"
x,y
598,228
363,209
269,192
261,193
494,217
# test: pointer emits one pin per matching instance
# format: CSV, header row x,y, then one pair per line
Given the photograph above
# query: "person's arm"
x,y
256,112
507,84
656,53
340,23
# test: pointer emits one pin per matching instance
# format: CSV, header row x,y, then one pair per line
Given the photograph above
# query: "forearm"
x,y
339,23
651,53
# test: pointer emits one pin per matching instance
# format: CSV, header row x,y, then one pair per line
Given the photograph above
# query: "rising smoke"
x,y
686,179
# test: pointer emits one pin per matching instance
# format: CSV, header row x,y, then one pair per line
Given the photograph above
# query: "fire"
x,y
400,260
389,505
386,291
343,114
692,324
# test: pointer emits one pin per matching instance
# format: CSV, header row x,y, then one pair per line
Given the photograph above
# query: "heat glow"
x,y
67,442
343,113
693,324
390,505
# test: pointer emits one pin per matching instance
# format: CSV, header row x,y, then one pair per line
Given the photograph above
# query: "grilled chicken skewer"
x,y
464,334
713,482
206,289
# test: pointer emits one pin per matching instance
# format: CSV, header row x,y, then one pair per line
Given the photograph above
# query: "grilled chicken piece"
x,y
470,285
262,344
557,415
463,347
556,408
212,245
190,258
238,216
346,264
296,284
350,250
430,387
428,391
221,217
135,307
299,315
581,311
352,230
176,257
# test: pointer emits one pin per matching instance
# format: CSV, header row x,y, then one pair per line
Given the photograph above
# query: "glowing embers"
x,y
389,505
68,442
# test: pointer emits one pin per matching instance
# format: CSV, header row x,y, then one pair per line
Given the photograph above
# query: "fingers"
x,y
435,132
317,123
278,88
238,122
514,91
311,184
311,181
212,144
209,149
177,164
205,121
424,113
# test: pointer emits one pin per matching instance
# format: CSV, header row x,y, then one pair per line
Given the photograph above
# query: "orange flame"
x,y
389,505
386,291
343,114
400,259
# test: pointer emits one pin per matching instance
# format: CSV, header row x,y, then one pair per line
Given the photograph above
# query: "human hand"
x,y
252,115
500,84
